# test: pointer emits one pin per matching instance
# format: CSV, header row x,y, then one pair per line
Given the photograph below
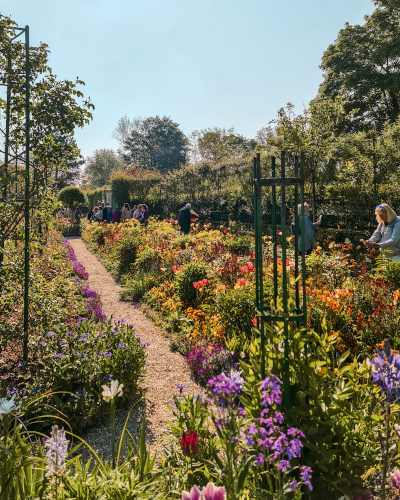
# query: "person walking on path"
x,y
387,235
184,218
109,214
126,213
137,214
310,241
77,215
90,215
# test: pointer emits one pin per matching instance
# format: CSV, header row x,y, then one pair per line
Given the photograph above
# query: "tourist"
x,y
193,216
184,218
133,210
126,213
138,212
98,214
77,215
90,215
145,216
116,215
387,235
310,241
109,214
105,211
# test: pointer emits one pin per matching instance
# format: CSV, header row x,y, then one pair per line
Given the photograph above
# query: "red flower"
x,y
189,443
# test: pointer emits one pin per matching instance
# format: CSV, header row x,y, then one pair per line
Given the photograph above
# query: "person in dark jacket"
x,y
90,215
184,218
145,215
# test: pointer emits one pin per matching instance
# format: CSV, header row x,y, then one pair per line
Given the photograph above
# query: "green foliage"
x,y
389,270
95,196
184,279
362,66
71,196
236,308
133,184
330,401
99,166
135,289
239,245
157,143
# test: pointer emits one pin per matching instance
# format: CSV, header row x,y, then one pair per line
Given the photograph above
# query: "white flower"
x,y
57,451
7,406
113,391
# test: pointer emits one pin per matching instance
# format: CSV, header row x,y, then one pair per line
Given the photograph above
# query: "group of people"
x,y
386,236
104,213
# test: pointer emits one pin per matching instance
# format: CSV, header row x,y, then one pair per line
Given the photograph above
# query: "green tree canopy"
x,y
363,67
71,196
220,144
99,166
155,143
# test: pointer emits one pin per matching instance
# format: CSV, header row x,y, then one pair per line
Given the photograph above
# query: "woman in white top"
x,y
138,212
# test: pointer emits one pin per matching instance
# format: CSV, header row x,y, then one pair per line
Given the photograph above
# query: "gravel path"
x,y
165,371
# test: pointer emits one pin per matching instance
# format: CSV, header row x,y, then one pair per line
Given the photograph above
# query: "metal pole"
x,y
27,118
296,233
7,138
255,207
274,242
373,144
303,250
260,263
284,282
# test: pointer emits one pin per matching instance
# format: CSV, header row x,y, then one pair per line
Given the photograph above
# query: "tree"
x,y
220,144
70,172
71,196
124,127
363,67
157,144
99,166
55,112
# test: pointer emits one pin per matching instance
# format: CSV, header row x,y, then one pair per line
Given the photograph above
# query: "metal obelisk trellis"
x,y
27,176
264,312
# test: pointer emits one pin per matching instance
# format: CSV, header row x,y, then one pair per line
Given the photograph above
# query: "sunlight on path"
x,y
165,371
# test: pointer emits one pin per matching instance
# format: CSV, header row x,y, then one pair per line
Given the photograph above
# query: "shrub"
x,y
78,362
206,361
239,245
184,279
236,308
149,260
71,196
135,289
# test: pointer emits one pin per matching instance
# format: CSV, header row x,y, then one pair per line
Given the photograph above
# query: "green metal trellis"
x,y
264,312
27,176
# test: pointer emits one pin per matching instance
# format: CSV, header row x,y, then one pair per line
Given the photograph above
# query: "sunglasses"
x,y
379,206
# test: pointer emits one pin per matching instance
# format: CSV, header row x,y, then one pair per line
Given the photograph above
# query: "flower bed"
x,y
73,349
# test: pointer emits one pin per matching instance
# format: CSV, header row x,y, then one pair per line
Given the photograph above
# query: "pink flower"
x,y
209,492
193,495
212,492
395,477
250,267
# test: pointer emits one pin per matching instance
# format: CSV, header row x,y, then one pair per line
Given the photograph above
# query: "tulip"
x,y
189,443
209,492
395,477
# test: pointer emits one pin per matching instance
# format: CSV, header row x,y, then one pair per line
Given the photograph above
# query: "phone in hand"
x,y
320,217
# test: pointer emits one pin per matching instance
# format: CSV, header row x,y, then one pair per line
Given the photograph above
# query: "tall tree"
x,y
363,67
157,143
99,166
220,144
69,172
124,127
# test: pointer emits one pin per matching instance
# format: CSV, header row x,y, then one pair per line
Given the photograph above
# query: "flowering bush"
x,y
206,361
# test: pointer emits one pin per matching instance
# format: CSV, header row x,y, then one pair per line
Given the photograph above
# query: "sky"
x,y
204,63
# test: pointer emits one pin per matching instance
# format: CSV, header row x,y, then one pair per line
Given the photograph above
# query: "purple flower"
x,y
260,459
386,372
70,334
181,388
107,354
227,385
293,485
283,465
83,339
271,390
121,346
60,355
305,473
51,334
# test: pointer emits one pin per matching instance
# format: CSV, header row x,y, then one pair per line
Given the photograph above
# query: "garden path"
x,y
165,371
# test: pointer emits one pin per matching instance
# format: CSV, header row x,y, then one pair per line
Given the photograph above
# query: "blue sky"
x,y
202,62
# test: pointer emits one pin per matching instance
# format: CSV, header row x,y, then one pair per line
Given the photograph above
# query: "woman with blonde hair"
x,y
387,235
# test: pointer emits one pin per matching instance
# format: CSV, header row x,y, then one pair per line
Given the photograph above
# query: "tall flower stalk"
x,y
109,394
57,452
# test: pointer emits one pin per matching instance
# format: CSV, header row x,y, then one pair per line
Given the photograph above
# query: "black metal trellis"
x,y
264,312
